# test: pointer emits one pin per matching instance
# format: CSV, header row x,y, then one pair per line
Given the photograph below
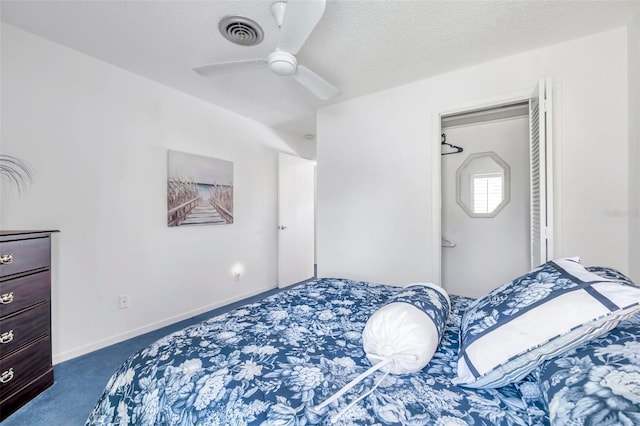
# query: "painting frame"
x,y
200,190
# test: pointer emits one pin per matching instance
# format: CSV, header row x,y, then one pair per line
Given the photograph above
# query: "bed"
x,y
273,362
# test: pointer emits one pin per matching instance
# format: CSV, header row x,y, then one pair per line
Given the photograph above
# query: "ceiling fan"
x,y
296,20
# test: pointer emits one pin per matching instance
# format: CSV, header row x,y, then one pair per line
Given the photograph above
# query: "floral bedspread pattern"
x,y
436,304
598,383
271,363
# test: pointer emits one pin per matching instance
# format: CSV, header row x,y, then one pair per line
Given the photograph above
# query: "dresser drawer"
x,y
24,255
18,330
16,400
20,293
23,366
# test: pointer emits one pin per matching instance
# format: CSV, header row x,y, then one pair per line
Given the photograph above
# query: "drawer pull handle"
x,y
6,337
6,376
6,298
5,259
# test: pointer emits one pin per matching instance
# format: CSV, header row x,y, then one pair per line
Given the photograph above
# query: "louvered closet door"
x,y
541,176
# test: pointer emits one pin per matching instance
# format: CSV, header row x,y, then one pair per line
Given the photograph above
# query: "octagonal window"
x,y
483,184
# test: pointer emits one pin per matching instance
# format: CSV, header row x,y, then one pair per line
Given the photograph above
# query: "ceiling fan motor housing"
x,y
282,63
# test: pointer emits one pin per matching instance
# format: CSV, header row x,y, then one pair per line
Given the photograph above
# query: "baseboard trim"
x,y
102,343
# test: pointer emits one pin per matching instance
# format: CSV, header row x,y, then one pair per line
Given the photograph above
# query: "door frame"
x,y
436,163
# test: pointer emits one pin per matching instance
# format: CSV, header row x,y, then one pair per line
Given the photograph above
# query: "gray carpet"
x,y
79,382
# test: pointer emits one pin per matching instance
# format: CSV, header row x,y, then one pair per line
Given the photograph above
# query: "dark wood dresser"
x,y
25,317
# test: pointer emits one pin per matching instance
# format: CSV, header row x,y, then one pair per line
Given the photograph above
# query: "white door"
x,y
541,174
296,236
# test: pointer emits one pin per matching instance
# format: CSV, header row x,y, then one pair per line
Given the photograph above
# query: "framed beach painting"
x,y
199,190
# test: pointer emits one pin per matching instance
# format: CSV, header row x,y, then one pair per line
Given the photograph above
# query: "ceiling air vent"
x,y
241,30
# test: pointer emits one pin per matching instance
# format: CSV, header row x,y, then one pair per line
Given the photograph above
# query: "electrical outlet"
x,y
124,301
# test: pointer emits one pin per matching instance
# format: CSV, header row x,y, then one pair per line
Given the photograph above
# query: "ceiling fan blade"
x,y
300,18
230,67
316,84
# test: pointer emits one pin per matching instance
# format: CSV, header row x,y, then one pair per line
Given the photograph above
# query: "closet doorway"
x,y
495,187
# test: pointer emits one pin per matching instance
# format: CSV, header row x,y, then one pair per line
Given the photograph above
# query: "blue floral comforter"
x,y
598,383
271,363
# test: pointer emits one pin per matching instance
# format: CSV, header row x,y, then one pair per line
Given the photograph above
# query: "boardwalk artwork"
x,y
199,190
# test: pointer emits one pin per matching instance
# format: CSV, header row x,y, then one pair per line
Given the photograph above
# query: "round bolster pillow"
x,y
400,337
406,331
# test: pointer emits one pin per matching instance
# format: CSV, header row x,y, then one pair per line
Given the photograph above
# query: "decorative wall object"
x,y
15,171
482,184
199,190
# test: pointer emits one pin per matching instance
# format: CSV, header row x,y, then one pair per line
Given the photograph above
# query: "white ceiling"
x,y
361,46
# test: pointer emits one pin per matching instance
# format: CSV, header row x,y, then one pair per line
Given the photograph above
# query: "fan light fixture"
x,y
282,63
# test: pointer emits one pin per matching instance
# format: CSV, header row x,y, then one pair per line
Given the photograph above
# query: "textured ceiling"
x,y
360,46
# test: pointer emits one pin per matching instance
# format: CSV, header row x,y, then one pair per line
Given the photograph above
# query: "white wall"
x,y
634,148
97,139
484,256
374,155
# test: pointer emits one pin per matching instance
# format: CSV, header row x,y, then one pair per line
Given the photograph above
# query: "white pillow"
x,y
408,329
400,337
549,311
